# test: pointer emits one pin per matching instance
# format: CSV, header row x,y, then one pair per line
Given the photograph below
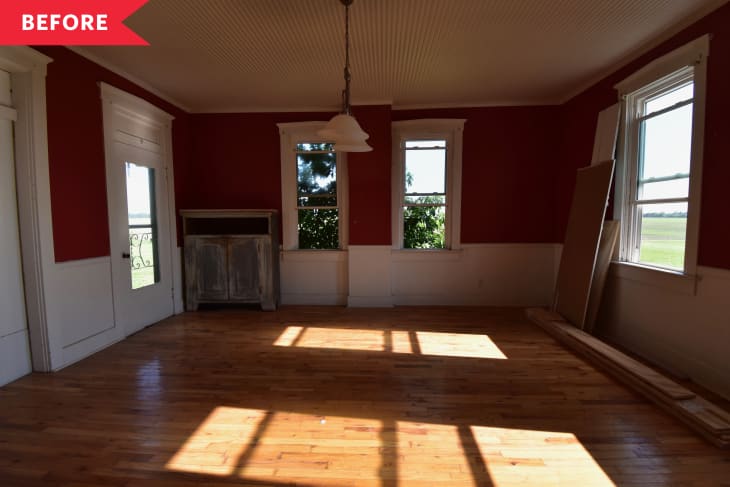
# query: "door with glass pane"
x,y
140,237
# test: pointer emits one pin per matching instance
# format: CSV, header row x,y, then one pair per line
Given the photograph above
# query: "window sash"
x,y
636,104
407,194
676,106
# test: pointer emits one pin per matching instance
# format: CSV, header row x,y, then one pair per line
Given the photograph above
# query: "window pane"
x,y
426,171
315,146
666,100
142,225
432,200
410,144
316,174
663,231
424,227
318,229
667,143
676,188
330,201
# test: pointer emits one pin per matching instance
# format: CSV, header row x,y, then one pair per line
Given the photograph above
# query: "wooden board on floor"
x,y
606,247
582,236
706,418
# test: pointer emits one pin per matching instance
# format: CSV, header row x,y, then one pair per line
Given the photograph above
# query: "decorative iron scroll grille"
x,y
139,259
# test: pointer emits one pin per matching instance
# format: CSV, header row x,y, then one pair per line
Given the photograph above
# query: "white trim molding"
x,y
690,54
688,62
28,77
291,134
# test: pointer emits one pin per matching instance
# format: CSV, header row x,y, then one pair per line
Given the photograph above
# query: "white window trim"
x,y
652,75
291,134
451,130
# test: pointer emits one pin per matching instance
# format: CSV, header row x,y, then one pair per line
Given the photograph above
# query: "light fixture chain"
x,y
346,103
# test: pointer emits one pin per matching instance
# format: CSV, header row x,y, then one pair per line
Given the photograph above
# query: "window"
x,y
314,189
661,162
317,211
427,183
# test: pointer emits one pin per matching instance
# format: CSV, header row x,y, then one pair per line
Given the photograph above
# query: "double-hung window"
x,y
427,183
318,219
314,203
661,161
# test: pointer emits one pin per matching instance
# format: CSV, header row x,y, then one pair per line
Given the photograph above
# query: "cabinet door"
x,y
243,268
211,273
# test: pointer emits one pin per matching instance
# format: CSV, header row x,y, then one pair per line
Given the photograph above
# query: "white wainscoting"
x,y
477,274
79,309
177,279
314,277
687,333
14,356
370,268
378,276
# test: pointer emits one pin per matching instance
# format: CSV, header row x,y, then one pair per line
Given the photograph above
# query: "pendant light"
x,y
343,129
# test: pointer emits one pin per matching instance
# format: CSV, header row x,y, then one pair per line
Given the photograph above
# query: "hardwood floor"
x,y
334,396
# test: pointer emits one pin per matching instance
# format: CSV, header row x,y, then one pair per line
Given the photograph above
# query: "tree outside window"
x,y
317,204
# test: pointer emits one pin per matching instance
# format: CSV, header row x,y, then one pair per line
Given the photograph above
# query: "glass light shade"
x,y
346,133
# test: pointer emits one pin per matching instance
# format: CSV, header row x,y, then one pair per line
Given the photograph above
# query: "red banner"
x,y
68,22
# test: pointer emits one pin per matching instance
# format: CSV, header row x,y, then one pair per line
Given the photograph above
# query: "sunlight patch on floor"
x,y
277,447
217,444
458,345
281,447
516,456
467,345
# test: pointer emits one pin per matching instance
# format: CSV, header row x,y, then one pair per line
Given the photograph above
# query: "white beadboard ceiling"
x,y
288,55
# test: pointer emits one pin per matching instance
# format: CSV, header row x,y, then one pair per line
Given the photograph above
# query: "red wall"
x,y
236,164
579,117
235,159
76,152
370,179
508,177
507,171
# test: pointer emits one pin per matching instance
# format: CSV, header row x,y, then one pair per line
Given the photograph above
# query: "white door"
x,y
14,349
139,235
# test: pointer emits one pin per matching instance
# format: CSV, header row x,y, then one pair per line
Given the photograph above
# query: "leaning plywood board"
x,y
704,417
575,274
606,246
604,145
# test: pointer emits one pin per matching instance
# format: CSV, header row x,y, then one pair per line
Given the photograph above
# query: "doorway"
x,y
141,242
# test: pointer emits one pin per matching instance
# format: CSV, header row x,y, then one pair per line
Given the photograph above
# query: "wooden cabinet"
x,y
231,256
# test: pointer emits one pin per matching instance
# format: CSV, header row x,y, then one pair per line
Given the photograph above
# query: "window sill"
x,y
415,255
673,281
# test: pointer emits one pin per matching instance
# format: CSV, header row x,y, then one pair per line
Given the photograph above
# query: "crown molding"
x,y
129,77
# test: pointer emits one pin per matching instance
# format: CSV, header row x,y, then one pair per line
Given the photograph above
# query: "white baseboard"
x,y
370,301
89,346
314,299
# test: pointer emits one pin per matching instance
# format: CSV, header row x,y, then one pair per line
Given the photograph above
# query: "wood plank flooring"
x,y
342,397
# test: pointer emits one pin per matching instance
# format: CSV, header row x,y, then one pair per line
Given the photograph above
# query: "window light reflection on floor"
x,y
217,444
282,447
466,345
536,458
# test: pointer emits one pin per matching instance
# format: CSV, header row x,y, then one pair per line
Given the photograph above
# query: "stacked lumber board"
x,y
704,417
